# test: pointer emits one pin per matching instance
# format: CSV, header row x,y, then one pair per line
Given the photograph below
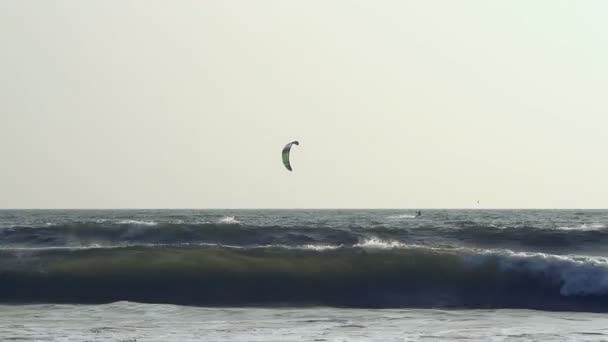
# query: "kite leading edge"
x,y
285,154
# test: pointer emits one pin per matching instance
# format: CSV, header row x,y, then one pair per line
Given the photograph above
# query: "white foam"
x,y
585,227
321,247
403,216
317,248
138,223
376,243
229,220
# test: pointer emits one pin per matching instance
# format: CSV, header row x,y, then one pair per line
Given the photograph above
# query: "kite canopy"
x,y
285,154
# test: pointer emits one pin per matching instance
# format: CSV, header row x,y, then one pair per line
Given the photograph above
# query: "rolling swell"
x,y
125,233
374,274
117,234
529,236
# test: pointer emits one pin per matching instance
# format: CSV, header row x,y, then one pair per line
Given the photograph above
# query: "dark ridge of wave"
x,y
491,236
133,233
345,277
112,234
529,236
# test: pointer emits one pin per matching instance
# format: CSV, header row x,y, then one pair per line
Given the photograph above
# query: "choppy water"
x,y
303,275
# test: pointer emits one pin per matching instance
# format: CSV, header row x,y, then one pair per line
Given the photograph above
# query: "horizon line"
x,y
313,208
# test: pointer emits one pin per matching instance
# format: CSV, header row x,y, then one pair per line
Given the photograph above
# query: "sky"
x,y
396,104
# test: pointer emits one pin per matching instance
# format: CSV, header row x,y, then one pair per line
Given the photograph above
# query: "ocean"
x,y
303,275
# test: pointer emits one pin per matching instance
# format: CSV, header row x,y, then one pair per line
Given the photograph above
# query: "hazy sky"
x,y
400,104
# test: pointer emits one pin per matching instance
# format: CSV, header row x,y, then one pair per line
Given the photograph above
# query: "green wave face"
x,y
354,277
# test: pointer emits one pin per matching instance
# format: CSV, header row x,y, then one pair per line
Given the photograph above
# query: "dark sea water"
x,y
304,275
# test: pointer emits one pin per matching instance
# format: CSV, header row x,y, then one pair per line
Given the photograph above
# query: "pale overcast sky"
x,y
399,104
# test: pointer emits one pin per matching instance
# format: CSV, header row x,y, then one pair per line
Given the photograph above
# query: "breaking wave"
x,y
374,273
